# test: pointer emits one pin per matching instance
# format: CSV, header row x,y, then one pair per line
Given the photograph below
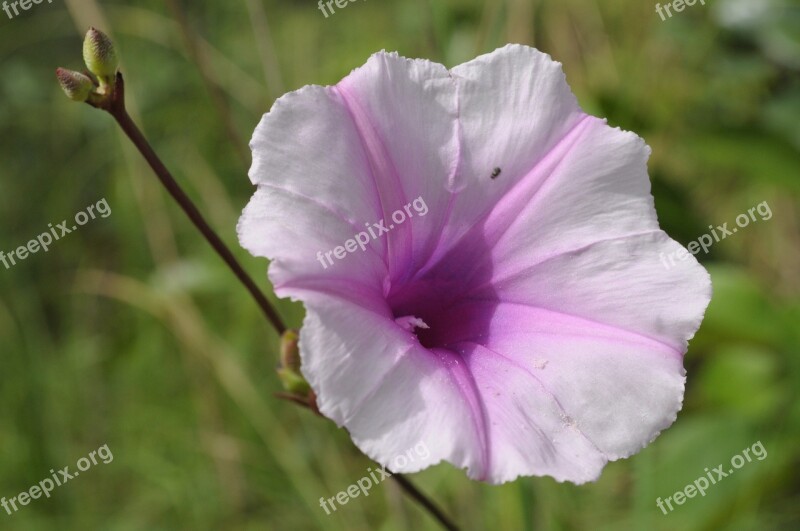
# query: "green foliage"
x,y
131,333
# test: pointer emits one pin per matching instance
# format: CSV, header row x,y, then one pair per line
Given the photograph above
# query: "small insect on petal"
x,y
495,173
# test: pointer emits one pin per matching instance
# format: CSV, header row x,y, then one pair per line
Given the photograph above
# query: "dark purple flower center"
x,y
453,298
429,302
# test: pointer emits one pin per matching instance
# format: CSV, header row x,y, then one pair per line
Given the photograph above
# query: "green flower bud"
x,y
99,54
290,353
294,382
289,371
76,86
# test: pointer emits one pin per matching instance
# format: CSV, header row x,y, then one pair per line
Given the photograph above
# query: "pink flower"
x,y
524,325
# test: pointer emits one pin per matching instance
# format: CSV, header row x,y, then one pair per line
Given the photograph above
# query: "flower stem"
x,y
116,107
423,500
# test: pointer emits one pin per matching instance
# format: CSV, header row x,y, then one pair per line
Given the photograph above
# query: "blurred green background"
x,y
130,332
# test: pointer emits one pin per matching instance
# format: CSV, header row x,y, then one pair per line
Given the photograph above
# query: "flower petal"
x,y
313,192
619,282
353,161
373,377
515,107
614,388
573,199
406,112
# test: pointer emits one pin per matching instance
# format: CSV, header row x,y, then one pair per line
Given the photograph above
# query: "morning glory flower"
x,y
524,325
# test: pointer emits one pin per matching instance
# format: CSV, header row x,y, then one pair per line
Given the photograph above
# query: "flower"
x,y
525,326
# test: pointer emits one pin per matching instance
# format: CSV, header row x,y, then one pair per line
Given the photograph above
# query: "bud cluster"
x,y
101,61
